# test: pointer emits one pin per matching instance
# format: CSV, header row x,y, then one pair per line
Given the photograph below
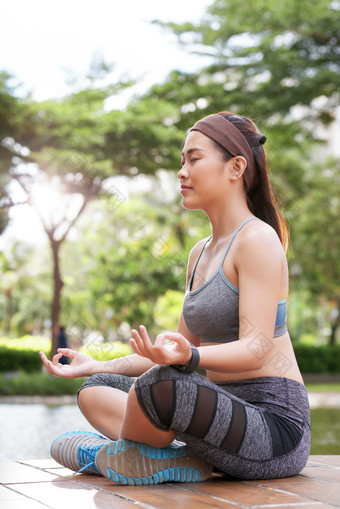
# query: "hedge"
x,y
19,360
318,359
19,383
28,360
311,359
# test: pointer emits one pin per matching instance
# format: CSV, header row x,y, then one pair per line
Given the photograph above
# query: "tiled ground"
x,y
38,484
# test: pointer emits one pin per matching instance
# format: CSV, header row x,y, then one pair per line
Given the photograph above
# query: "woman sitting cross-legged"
x,y
157,419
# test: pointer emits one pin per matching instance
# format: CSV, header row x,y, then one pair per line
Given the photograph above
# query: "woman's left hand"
x,y
176,352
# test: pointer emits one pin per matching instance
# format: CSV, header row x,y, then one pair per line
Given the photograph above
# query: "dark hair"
x,y
261,200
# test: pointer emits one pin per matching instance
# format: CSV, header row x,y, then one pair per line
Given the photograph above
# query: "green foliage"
x,y
21,354
106,351
168,309
27,342
315,230
130,255
36,384
318,359
14,359
334,387
275,62
269,54
279,64
24,289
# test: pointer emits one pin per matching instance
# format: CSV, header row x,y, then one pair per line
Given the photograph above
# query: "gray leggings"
x,y
250,429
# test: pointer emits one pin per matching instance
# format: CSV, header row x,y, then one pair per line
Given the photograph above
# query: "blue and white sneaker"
x,y
77,450
135,464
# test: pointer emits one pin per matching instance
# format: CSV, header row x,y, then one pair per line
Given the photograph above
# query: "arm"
x,y
260,264
261,268
82,365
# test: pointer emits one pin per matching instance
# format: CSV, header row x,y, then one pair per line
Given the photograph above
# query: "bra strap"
x,y
233,236
198,259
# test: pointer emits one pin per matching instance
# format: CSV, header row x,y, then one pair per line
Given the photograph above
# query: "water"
x,y
27,430
325,425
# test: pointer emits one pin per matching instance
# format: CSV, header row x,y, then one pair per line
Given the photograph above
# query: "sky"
x,y
44,43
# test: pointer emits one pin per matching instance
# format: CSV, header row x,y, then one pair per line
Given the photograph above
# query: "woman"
x,y
249,417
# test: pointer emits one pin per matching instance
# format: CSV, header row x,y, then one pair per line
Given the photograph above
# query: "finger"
x,y
47,363
137,339
135,347
67,352
56,357
145,336
162,342
174,336
44,359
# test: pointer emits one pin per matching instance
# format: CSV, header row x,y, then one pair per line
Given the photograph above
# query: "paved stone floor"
x,y
37,484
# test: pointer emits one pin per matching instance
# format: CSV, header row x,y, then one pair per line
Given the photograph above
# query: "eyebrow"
x,y
192,150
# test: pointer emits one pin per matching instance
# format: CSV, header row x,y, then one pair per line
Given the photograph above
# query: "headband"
x,y
229,137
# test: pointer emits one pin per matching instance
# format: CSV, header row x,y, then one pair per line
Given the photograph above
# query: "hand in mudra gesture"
x,y
81,364
168,348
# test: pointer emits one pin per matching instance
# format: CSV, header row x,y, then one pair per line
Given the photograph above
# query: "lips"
x,y
184,188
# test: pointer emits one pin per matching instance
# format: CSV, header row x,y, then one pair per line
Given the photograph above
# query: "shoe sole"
x,y
135,464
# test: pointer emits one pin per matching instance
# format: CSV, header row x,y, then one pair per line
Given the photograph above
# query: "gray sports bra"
x,y
212,311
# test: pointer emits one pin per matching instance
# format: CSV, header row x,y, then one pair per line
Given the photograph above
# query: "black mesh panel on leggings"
x,y
204,413
163,397
285,436
235,435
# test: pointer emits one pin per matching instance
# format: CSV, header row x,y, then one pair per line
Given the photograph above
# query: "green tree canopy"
x,y
278,63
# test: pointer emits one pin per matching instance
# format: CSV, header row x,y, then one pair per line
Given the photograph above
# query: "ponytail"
x,y
261,200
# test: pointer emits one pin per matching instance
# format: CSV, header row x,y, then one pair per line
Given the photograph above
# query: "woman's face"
x,y
203,175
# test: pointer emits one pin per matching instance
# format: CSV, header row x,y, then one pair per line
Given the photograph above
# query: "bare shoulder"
x,y
259,241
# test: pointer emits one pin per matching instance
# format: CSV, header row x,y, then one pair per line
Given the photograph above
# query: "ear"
x,y
238,166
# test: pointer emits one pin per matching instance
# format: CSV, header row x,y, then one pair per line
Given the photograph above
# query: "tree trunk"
x,y
335,326
57,288
9,311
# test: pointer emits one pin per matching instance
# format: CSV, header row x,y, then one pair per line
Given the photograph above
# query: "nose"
x,y
183,173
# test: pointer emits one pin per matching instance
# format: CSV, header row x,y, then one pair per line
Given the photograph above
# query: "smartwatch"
x,y
193,363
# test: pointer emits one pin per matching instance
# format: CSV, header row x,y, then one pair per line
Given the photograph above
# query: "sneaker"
x,y
134,463
77,450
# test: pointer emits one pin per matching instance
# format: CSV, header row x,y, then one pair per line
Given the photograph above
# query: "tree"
x,y
279,64
127,257
9,112
64,153
316,239
25,289
266,54
56,147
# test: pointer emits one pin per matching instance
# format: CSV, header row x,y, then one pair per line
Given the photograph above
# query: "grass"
x,y
19,383
323,387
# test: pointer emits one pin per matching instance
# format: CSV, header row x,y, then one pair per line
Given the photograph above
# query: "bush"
x,y
37,384
22,354
27,342
106,351
14,360
318,359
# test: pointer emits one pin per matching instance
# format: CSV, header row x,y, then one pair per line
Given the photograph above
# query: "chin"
x,y
191,204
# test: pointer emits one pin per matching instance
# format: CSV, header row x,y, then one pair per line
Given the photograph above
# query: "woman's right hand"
x,y
82,365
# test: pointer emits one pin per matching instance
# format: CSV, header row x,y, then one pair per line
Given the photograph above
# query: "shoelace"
x,y
85,454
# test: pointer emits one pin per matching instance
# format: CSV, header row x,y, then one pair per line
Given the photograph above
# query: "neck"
x,y
226,217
